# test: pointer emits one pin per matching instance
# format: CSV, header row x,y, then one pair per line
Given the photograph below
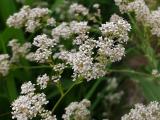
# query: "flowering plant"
x,y
74,46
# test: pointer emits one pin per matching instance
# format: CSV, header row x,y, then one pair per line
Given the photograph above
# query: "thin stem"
x,y
4,114
30,67
129,71
90,93
62,96
3,44
60,88
11,87
98,99
57,103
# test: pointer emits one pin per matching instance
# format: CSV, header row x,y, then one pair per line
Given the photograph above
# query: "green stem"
x,y
129,71
62,96
3,44
98,99
5,114
60,88
11,87
90,93
30,67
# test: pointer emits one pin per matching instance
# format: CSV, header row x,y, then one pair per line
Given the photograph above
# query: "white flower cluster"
x,y
140,8
76,9
154,22
115,31
122,4
77,111
83,65
79,27
30,104
65,30
110,48
62,30
42,81
27,88
79,40
47,115
4,64
18,50
155,73
28,18
44,50
143,14
142,112
88,56
59,67
51,21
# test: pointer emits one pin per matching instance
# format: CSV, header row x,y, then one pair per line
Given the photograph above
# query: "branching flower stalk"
x,y
64,94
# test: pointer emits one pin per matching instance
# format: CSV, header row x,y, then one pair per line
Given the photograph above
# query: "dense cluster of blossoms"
x,y
4,64
29,18
76,9
44,50
155,73
77,111
42,81
142,112
18,50
148,17
31,104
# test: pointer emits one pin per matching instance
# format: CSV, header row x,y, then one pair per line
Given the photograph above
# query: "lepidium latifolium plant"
x,y
74,61
73,39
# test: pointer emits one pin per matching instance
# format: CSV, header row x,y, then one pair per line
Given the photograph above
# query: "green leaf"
x,y
10,33
5,109
56,4
29,2
150,90
149,86
7,7
93,89
7,35
11,87
2,45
